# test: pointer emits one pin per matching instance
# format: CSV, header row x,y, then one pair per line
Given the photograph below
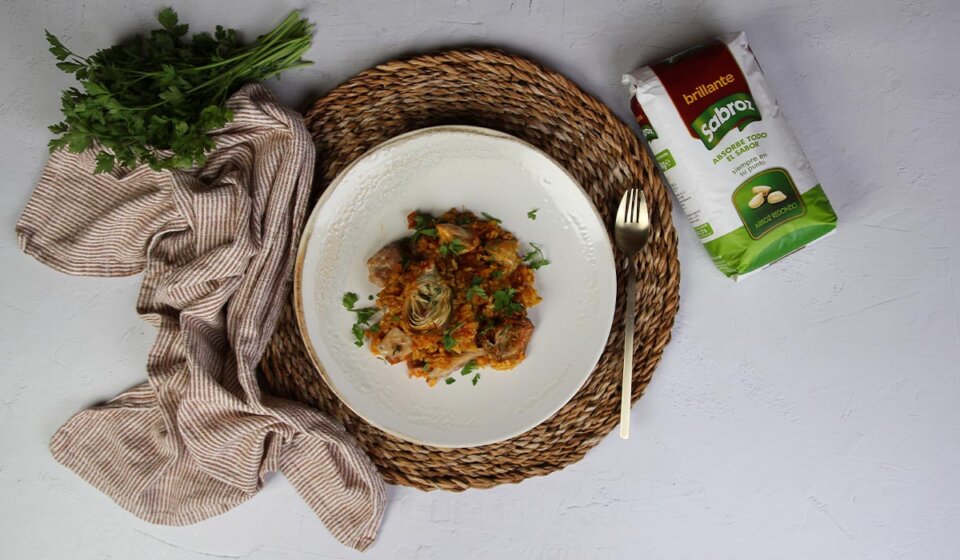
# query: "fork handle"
x,y
629,321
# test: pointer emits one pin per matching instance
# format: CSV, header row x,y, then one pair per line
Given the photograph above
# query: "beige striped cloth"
x,y
216,247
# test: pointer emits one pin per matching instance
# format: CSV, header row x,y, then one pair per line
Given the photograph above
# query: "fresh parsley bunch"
x,y
155,99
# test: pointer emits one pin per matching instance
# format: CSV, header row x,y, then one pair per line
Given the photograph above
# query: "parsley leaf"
x,y
535,258
496,274
167,18
455,247
503,302
69,67
429,232
364,314
422,220
56,47
469,367
532,214
357,331
104,163
476,377
475,291
448,339
450,381
490,218
423,225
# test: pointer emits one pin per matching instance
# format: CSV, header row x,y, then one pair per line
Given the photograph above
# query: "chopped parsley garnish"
x,y
503,302
469,367
532,214
364,314
535,258
423,224
476,377
370,297
450,381
421,221
429,232
455,247
357,331
374,327
476,290
363,317
490,218
496,274
448,339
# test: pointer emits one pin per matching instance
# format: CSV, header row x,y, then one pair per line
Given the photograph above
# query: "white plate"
x,y
434,170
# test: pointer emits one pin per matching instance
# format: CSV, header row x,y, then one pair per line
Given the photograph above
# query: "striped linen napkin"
x,y
216,246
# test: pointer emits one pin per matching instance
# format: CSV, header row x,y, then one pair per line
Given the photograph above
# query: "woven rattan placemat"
x,y
519,96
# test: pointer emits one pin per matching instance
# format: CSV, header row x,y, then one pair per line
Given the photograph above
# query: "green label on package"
x,y
703,230
665,160
767,200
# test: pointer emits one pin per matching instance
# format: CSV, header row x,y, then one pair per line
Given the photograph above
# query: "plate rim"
x,y
308,230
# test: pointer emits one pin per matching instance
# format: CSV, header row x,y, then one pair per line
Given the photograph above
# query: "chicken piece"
x,y
505,252
395,345
509,340
385,263
457,364
467,238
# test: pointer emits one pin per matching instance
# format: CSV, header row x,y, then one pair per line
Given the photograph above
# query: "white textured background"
x,y
812,411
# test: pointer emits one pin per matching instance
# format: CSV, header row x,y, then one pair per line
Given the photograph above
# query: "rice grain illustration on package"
x,y
726,150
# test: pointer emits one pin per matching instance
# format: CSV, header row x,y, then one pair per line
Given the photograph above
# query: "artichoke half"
x,y
428,305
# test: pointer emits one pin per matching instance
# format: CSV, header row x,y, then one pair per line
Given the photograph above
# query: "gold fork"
x,y
631,231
